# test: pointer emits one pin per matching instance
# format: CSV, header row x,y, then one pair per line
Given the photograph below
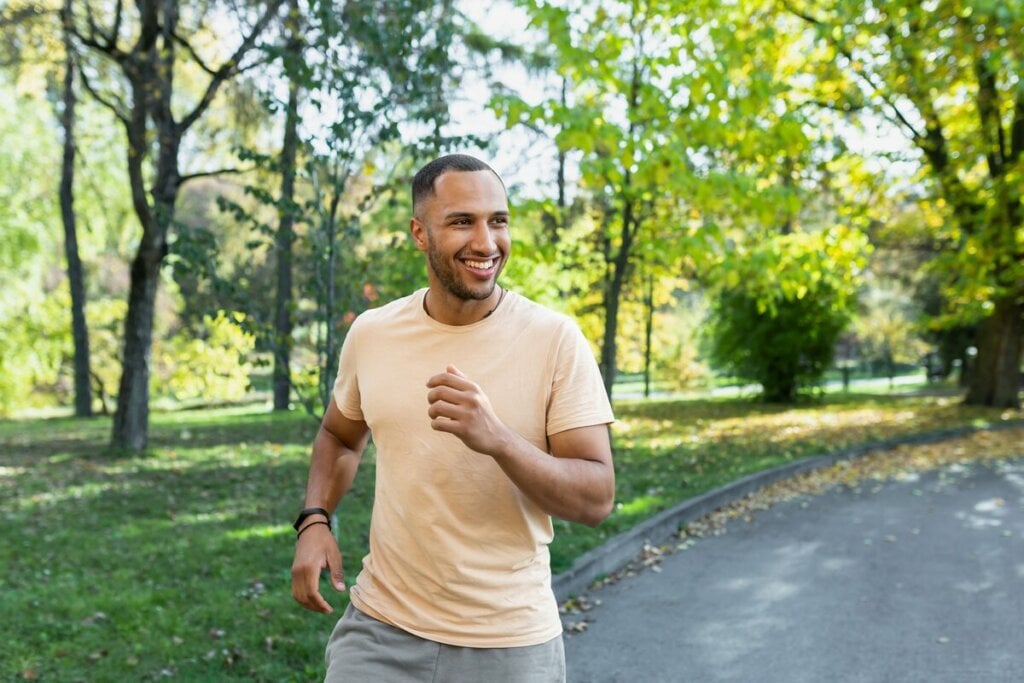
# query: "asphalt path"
x,y
920,579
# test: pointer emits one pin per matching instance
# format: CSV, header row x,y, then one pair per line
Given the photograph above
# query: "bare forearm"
x,y
575,489
331,471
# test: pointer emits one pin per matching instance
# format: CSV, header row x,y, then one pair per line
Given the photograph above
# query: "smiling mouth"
x,y
476,264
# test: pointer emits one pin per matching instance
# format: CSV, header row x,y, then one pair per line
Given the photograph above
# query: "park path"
x,y
920,579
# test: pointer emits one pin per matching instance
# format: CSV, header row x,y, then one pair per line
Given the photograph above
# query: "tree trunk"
x,y
76,277
613,295
995,376
131,420
648,332
284,240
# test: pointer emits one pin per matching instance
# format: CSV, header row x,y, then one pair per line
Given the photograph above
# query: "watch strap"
x,y
306,512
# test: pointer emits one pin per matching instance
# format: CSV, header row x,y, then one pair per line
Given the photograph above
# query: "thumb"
x,y
455,371
334,566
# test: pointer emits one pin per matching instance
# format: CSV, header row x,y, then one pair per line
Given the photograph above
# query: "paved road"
x,y
918,580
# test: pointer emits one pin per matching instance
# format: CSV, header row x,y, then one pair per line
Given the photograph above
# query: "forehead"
x,y
468,192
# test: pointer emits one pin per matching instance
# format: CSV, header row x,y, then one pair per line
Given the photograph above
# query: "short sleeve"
x,y
578,398
346,385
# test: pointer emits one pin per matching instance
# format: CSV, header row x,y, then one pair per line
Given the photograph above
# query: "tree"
x,y
778,319
285,236
366,88
147,65
76,277
947,74
681,114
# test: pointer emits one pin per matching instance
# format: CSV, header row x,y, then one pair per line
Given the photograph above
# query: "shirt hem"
x,y
445,639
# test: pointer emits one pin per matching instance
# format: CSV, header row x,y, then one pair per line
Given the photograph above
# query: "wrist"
x,y
505,444
310,514
314,519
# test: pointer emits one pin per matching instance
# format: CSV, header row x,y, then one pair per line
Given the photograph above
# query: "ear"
x,y
419,234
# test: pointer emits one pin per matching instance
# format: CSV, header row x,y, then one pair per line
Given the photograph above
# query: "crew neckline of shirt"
x,y
460,329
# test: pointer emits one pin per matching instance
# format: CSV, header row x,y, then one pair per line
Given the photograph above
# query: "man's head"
x,y
423,181
461,222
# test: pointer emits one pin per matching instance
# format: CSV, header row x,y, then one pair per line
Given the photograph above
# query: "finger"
x,y
455,371
450,379
445,410
444,424
306,589
333,561
445,393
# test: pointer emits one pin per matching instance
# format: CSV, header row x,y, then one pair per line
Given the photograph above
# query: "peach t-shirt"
x,y
458,554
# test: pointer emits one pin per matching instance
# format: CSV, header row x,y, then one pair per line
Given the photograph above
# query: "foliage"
x,y
946,74
34,342
214,368
887,330
781,309
687,127
785,349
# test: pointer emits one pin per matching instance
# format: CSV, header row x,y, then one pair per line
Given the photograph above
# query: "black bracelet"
x,y
309,525
311,511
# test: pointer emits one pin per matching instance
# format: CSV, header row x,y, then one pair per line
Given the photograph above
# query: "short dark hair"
x,y
423,181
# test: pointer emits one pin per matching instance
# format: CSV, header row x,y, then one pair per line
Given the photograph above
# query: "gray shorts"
x,y
364,649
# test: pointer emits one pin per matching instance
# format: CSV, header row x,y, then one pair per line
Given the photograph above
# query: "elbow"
x,y
601,505
597,513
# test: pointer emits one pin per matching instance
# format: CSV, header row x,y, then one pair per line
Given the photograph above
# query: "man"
x,y
489,416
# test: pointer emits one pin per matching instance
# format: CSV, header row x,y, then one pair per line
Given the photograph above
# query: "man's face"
x,y
464,231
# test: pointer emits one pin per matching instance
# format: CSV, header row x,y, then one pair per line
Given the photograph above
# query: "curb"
x,y
619,550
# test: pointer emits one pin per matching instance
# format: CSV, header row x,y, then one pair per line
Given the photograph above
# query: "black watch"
x,y
312,511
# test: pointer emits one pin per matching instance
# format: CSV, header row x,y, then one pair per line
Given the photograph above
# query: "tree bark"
x,y
613,295
131,418
76,277
648,333
285,238
995,376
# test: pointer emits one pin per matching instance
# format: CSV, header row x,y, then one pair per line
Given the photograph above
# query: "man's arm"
x,y
337,449
577,484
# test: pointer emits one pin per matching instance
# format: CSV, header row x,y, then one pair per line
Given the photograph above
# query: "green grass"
x,y
175,563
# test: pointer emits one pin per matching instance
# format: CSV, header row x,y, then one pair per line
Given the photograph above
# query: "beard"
x,y
444,269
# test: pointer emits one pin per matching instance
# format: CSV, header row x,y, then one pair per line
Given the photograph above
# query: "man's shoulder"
x,y
526,310
389,313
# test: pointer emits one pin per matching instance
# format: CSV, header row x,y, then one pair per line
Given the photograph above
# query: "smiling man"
x,y
489,417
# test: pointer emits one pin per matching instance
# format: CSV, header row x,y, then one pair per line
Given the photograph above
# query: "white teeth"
x,y
480,265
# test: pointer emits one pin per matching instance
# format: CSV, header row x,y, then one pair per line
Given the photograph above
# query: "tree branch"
x,y
876,89
22,14
107,47
112,106
192,52
149,22
116,29
988,116
221,171
1017,127
230,67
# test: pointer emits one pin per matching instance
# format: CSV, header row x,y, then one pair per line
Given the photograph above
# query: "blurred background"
x,y
200,197
780,200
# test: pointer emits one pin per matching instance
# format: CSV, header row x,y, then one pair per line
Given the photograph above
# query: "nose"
x,y
482,242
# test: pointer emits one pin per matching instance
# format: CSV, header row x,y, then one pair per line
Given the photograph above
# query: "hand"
x,y
315,551
458,406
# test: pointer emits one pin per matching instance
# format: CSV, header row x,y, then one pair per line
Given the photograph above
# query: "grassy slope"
x,y
176,562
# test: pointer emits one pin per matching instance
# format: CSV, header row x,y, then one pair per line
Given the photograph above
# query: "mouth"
x,y
481,268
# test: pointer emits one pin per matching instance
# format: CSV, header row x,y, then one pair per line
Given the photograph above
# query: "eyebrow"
x,y
468,214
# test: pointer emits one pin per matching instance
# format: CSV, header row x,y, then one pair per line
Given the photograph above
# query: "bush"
x,y
784,348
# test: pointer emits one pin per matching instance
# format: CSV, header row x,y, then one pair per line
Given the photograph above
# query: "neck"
x,y
448,309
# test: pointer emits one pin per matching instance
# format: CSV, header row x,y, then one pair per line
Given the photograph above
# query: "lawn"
x,y
175,563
